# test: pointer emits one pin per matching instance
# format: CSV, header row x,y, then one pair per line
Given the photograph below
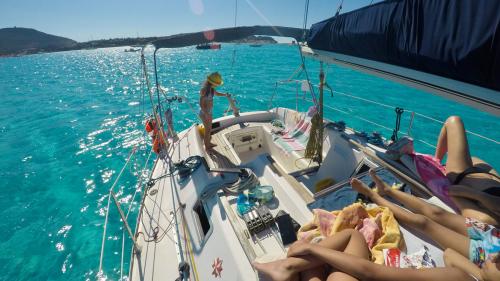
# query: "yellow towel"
x,y
328,223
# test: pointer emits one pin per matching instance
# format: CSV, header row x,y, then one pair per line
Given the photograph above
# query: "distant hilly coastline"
x,y
17,41
252,39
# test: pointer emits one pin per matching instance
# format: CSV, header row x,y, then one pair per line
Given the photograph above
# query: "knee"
x,y
436,212
337,275
349,231
454,120
421,221
352,234
446,257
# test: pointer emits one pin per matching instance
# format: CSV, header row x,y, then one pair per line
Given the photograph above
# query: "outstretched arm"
x,y
222,94
366,270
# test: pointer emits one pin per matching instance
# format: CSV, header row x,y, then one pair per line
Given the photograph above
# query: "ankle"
x,y
377,198
288,265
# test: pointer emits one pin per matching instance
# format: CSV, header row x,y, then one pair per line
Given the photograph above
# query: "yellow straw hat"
x,y
215,79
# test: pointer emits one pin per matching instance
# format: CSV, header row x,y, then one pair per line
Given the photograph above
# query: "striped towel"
x,y
295,139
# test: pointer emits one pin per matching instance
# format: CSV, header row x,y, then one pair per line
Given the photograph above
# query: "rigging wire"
x,y
132,153
234,47
233,60
304,27
157,88
416,113
311,88
340,7
303,59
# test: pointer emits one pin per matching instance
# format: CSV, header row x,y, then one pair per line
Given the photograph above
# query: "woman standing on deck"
x,y
207,94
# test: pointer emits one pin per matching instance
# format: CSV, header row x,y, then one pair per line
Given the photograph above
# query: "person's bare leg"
x,y
453,140
471,209
444,236
207,122
454,259
356,247
314,274
286,268
442,144
481,164
452,221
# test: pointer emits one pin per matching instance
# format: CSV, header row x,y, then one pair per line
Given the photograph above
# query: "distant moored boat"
x,y
132,50
210,46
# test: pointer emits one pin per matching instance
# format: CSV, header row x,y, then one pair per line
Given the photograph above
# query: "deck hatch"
x,y
203,220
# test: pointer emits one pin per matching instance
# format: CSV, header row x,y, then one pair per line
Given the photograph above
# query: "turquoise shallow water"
x,y
69,120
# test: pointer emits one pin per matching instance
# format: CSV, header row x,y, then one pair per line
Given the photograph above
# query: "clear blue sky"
x,y
84,20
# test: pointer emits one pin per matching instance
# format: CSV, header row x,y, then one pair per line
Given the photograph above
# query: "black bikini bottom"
x,y
494,190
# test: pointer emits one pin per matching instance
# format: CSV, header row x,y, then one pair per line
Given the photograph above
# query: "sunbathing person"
x,y
345,257
463,238
475,184
346,252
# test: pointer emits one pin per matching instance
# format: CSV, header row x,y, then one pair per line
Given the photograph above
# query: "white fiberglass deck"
x,y
193,221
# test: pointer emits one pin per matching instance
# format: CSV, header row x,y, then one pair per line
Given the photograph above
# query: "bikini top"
x,y
494,190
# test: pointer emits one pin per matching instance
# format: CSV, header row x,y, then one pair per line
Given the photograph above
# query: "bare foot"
x,y
276,270
382,187
361,188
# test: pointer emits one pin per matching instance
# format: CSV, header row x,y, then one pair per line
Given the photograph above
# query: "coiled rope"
x,y
246,180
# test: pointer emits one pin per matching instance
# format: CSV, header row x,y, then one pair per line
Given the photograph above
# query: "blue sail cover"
x,y
457,39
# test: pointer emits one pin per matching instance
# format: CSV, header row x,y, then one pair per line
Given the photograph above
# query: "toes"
x,y
256,265
358,185
376,178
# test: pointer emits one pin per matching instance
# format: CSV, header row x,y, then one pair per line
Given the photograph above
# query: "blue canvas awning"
x,y
452,39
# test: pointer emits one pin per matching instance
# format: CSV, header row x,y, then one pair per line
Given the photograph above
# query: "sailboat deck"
x,y
193,220
222,157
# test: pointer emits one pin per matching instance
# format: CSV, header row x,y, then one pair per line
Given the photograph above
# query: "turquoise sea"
x,y
69,120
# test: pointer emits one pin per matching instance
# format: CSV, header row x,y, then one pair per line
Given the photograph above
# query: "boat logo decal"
x,y
217,268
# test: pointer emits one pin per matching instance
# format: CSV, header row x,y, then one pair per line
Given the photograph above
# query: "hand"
x,y
491,270
299,248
